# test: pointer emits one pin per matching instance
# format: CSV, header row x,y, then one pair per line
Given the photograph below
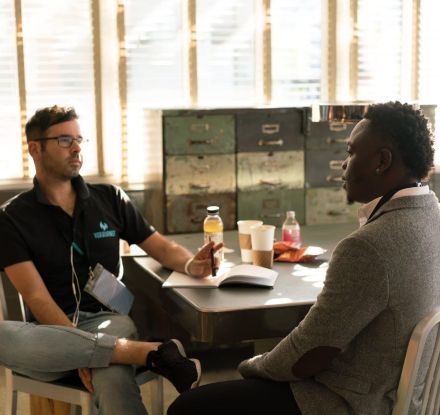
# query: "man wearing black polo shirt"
x,y
52,235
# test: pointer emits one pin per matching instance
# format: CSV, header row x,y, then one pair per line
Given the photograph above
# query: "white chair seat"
x,y
430,404
76,395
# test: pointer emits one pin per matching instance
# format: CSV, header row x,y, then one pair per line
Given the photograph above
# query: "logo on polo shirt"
x,y
104,233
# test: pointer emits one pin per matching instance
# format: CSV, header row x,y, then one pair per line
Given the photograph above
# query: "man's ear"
x,y
385,160
34,149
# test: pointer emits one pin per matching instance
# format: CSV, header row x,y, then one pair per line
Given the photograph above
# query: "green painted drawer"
x,y
186,213
201,134
270,171
270,206
200,174
329,205
323,168
275,129
328,135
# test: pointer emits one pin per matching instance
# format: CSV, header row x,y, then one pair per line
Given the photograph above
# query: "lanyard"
x,y
387,196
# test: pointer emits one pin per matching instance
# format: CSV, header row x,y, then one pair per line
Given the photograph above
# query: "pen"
x,y
213,273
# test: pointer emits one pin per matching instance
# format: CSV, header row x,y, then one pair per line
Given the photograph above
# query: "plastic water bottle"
x,y
213,228
291,230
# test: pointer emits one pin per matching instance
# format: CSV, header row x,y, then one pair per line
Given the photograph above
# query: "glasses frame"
x,y
79,140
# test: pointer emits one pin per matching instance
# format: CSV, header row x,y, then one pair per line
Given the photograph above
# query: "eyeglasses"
x,y
65,141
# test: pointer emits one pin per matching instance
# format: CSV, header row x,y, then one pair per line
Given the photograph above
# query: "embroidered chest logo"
x,y
104,232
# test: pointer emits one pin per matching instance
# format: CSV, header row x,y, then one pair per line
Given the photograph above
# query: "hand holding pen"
x,y
205,263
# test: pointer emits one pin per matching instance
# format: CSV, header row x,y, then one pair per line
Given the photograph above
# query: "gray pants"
x,y
51,352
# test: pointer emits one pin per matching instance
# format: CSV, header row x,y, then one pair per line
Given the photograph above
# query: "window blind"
x,y
226,52
156,78
429,58
379,36
10,137
58,50
296,51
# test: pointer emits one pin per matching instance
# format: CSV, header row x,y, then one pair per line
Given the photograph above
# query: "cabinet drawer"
x,y
201,134
186,213
270,130
429,111
270,206
324,168
328,135
274,170
327,205
200,174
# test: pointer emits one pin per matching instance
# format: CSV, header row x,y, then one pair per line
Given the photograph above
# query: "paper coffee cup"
x,y
262,245
244,236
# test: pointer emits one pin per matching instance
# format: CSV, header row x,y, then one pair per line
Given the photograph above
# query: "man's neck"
x,y
58,192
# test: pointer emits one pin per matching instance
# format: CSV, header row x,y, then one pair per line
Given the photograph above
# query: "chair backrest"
x,y
3,307
10,298
430,397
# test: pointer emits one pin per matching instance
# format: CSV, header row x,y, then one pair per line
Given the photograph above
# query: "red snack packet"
x,y
284,251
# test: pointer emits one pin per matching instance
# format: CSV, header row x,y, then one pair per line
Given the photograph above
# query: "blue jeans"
x,y
52,352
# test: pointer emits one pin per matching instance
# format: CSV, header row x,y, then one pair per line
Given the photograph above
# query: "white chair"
x,y
77,396
411,366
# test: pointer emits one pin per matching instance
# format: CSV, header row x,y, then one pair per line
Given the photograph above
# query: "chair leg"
x,y
11,403
87,406
156,389
10,394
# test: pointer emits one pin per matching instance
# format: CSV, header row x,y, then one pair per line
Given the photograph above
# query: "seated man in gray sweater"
x,y
346,356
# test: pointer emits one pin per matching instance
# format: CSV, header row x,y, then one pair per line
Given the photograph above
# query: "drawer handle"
x,y
331,140
199,128
334,213
336,164
200,168
271,183
270,128
197,220
197,142
199,186
270,215
337,126
279,142
337,179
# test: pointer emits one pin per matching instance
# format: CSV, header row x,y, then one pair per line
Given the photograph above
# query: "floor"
x,y
218,365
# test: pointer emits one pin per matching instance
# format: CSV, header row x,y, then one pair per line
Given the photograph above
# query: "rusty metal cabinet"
x,y
199,168
270,205
259,171
329,205
199,133
276,129
270,164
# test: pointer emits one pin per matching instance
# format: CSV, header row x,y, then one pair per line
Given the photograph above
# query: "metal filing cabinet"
x,y
329,205
270,164
326,150
199,168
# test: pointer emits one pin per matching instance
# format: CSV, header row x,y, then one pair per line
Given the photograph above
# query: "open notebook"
x,y
240,274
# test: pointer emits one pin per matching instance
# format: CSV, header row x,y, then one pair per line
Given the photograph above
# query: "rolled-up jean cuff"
x,y
102,354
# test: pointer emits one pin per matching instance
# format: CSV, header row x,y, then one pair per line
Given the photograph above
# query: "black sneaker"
x,y
170,361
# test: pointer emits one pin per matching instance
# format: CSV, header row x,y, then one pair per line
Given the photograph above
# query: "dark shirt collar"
x,y
78,184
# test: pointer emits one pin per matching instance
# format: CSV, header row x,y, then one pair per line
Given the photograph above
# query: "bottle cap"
x,y
290,213
213,209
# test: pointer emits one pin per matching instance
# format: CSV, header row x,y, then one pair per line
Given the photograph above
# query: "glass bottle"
x,y
291,230
213,228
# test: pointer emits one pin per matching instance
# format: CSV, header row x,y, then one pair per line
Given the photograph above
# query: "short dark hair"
x,y
408,130
45,118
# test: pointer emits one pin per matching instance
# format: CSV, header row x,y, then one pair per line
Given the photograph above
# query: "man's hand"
x,y
85,375
201,265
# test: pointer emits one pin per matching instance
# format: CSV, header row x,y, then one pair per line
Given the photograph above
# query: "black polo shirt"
x,y
31,229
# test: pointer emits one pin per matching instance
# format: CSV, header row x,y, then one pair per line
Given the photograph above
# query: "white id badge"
x,y
108,290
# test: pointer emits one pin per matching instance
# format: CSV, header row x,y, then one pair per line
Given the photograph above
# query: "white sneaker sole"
x,y
195,361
